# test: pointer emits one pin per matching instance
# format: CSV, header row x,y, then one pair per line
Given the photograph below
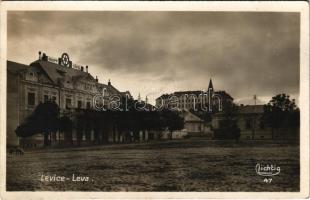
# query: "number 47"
x,y
267,180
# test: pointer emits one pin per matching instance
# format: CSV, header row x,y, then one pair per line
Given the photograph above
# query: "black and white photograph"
x,y
154,101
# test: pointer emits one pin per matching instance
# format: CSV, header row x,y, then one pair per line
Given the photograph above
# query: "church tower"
x,y
210,94
210,87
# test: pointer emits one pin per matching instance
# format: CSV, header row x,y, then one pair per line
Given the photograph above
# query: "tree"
x,y
66,126
281,112
228,128
44,119
173,121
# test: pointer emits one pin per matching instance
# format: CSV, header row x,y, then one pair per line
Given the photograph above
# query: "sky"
x,y
152,53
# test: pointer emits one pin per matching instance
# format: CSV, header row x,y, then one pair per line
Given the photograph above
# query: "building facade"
x,y
196,100
49,79
249,121
193,126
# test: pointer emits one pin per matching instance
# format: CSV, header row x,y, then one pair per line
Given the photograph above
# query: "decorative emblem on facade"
x,y
65,60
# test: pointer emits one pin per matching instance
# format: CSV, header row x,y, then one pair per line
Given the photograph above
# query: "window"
x,y
68,103
248,124
31,74
79,104
46,98
31,99
88,105
54,98
87,86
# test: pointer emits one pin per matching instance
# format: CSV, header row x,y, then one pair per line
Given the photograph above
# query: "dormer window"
x,y
31,76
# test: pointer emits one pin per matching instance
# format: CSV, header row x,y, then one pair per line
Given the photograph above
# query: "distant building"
x,y
49,79
251,126
193,126
194,100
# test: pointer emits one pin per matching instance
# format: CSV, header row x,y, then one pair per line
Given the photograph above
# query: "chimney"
x,y
87,68
39,55
109,83
96,79
44,57
82,68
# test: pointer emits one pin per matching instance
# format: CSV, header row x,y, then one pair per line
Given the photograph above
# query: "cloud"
x,y
246,53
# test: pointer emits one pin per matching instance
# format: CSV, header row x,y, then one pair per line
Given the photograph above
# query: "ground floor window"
x,y
79,104
88,105
46,98
68,103
31,98
54,98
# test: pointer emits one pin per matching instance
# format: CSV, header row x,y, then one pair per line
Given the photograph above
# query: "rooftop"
x,y
56,72
15,67
222,93
251,109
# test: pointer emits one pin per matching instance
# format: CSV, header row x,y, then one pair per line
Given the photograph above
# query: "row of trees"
x,y
46,119
280,112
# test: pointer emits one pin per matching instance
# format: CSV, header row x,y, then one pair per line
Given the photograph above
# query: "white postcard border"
x,y
302,7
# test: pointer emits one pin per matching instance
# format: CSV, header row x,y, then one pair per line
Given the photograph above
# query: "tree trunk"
x,y
118,136
88,135
45,139
96,136
58,137
105,136
68,137
50,139
79,137
114,134
143,135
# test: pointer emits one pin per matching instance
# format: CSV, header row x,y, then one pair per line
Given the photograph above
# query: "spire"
x,y
210,85
139,97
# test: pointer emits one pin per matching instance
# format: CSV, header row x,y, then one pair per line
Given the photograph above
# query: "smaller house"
x,y
248,121
193,126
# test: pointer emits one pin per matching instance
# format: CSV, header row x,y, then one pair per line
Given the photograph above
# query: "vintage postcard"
x,y
154,100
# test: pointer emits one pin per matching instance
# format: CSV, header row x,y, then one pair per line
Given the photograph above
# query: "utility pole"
x,y
254,119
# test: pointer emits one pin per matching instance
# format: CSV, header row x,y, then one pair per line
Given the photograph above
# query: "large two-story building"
x,y
49,79
209,100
